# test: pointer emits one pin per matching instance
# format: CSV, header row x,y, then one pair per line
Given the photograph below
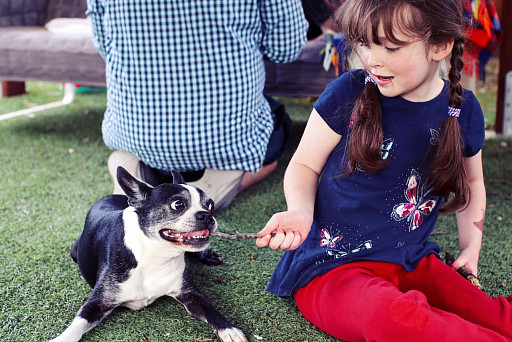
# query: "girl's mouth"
x,y
383,80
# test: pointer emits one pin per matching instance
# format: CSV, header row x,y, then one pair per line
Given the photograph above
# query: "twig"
x,y
237,236
463,271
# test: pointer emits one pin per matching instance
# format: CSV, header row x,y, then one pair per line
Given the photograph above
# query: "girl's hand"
x,y
286,230
467,258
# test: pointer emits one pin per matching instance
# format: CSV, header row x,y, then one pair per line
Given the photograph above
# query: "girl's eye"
x,y
364,45
392,49
177,205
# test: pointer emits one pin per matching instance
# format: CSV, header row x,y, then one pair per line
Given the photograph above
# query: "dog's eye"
x,y
210,206
177,205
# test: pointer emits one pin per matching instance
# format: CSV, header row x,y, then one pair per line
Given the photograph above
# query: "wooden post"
x,y
12,88
505,61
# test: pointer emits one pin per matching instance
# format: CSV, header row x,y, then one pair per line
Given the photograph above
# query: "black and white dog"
x,y
132,251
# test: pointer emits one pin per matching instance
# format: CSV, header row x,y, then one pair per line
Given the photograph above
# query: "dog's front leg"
x,y
89,316
202,308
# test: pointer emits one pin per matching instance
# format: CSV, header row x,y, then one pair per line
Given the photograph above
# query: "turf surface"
x,y
54,169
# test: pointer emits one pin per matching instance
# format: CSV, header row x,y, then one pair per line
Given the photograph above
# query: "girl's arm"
x,y
290,228
470,221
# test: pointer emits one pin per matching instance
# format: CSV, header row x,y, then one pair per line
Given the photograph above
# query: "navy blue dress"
x,y
384,217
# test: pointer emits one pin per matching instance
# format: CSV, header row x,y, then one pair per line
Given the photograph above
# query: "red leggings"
x,y
380,301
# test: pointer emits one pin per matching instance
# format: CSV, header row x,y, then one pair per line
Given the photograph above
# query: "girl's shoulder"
x,y
337,101
469,100
472,123
350,82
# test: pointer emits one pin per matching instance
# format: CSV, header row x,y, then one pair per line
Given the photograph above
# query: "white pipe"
x,y
69,96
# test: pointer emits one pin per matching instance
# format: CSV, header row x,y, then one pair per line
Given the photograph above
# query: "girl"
x,y
395,145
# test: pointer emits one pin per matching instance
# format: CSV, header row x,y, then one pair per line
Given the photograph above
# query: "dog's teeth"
x,y
186,237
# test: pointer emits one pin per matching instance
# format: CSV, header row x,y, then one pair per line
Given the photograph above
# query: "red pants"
x,y
380,301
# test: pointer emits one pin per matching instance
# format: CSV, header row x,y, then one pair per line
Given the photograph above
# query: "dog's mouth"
x,y
191,238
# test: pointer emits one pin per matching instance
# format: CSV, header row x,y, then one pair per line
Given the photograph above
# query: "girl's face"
x,y
409,70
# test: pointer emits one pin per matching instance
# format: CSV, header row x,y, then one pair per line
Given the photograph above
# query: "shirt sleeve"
x,y
284,29
472,124
96,11
336,103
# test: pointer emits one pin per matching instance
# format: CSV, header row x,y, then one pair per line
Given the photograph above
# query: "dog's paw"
x,y
231,335
209,257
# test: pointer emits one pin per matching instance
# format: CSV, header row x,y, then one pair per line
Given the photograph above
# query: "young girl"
x,y
395,145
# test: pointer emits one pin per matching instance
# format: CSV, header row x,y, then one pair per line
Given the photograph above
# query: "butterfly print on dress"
x,y
330,242
418,203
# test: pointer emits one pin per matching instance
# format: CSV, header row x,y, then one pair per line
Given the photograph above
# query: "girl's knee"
x,y
411,310
398,318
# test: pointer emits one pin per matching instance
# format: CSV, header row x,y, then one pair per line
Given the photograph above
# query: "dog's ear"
x,y
135,190
177,178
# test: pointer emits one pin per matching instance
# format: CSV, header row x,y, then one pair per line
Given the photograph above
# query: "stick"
x,y
463,271
237,236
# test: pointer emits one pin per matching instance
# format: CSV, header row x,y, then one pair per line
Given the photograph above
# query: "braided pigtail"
x,y
366,136
447,174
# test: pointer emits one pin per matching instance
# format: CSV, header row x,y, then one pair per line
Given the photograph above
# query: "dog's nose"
x,y
203,216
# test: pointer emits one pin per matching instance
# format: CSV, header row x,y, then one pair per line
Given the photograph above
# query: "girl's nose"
x,y
374,58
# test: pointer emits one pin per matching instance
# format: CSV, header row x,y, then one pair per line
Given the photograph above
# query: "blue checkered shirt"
x,y
185,78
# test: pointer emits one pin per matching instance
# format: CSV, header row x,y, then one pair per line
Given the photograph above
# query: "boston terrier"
x,y
132,251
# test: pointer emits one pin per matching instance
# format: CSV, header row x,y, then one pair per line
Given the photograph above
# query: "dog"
x,y
132,251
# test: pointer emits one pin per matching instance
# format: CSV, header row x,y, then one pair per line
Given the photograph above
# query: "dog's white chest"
x,y
149,281
159,270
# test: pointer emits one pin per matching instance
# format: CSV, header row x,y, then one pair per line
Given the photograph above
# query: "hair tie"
x,y
455,112
368,78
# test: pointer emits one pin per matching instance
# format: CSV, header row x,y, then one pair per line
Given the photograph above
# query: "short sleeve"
x,y
336,103
472,124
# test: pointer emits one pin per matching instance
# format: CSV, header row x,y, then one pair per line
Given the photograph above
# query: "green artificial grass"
x,y
54,169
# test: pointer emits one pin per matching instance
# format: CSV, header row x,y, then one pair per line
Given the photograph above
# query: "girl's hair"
x,y
432,21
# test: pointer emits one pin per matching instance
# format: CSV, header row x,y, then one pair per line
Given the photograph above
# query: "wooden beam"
x,y
505,61
12,88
